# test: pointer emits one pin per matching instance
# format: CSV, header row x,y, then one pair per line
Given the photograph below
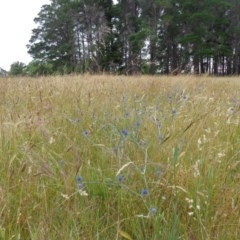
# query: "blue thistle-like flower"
x,y
120,178
158,173
125,132
144,192
138,124
79,179
85,133
79,182
153,210
80,186
174,112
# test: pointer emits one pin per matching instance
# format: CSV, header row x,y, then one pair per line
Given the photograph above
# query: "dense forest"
x,y
136,36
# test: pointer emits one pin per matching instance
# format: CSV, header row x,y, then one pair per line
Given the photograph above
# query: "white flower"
x,y
83,193
51,140
65,196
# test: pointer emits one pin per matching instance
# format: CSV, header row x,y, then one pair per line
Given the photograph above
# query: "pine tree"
x,y
53,40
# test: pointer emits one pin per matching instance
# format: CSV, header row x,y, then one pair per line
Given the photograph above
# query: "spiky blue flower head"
x,y
158,173
79,179
153,210
125,132
144,192
80,184
85,133
138,124
120,178
174,112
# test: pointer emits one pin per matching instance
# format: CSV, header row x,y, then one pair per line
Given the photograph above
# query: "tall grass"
x,y
103,157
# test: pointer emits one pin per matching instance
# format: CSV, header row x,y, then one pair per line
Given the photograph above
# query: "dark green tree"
x,y
233,15
17,69
39,68
137,36
53,39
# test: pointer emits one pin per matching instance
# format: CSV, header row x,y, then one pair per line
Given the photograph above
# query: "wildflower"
x,y
85,133
138,124
190,213
83,193
80,182
185,97
153,211
120,178
144,192
79,179
65,196
125,132
174,112
51,140
158,173
80,185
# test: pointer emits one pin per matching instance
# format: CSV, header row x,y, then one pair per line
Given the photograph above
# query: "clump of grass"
x,y
103,157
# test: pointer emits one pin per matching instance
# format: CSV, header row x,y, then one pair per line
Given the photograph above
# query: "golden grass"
x,y
176,137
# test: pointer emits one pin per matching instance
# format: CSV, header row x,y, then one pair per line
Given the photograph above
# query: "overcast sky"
x,y
16,24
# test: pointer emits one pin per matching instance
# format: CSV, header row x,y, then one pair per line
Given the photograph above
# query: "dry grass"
x,y
157,157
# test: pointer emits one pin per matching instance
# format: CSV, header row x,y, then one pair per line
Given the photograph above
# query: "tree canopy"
x,y
137,36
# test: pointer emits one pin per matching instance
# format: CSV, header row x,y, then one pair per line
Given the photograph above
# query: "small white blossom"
x,y
51,140
83,193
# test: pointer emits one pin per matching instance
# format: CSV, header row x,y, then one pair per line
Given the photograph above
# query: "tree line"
x,y
136,36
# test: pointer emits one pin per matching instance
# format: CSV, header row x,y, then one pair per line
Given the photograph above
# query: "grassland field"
x,y
116,157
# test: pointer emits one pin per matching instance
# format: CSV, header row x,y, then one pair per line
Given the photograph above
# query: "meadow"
x,y
116,157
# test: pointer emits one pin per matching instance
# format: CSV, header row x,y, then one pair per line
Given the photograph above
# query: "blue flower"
x,y
125,132
79,179
80,185
85,133
153,210
158,173
79,182
138,124
144,192
174,112
120,178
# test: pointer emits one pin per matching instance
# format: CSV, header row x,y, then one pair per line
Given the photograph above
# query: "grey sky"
x,y
16,23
